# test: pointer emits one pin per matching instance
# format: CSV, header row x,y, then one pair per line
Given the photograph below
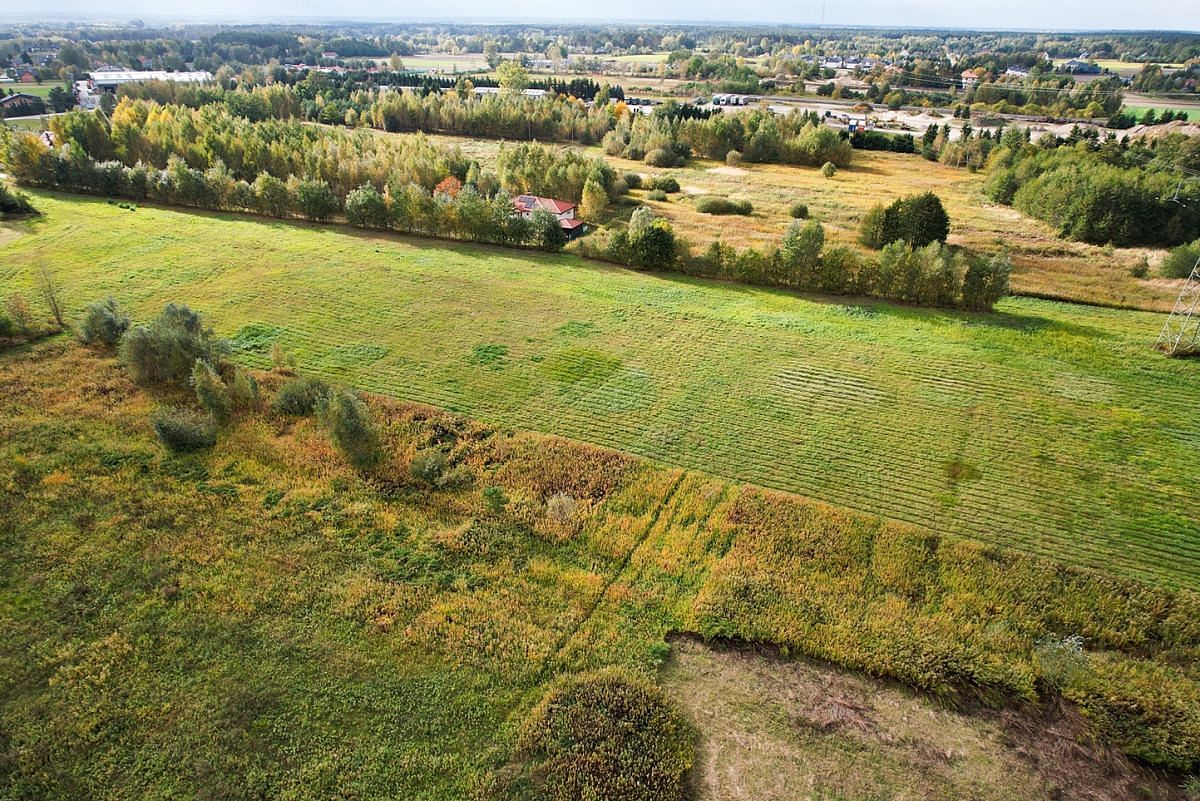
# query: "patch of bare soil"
x,y
775,729
733,172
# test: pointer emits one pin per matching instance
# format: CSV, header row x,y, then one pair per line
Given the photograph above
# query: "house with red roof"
x,y
563,211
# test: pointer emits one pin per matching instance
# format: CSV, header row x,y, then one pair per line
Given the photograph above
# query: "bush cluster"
x,y
648,242
166,350
300,397
664,183
916,219
935,275
14,204
1180,262
1100,193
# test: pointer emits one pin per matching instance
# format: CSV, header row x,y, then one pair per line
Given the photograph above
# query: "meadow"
x,y
1047,427
259,620
1044,264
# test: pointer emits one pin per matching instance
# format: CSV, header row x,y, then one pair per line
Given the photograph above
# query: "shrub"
x,y
657,195
182,430
211,392
14,204
1141,269
723,205
19,312
243,391
104,324
1060,659
609,735
495,499
733,158
663,157
798,211
167,349
633,180
829,169
352,429
315,200
428,466
1181,260
457,477
666,183
872,233
366,208
301,397
7,327
647,242
561,509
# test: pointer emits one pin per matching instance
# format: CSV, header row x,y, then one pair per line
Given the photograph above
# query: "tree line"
x,y
915,266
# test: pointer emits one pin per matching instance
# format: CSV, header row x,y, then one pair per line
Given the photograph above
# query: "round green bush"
x,y
428,466
723,205
657,195
608,735
104,324
632,179
733,158
301,397
661,157
1180,261
666,183
829,169
182,430
799,211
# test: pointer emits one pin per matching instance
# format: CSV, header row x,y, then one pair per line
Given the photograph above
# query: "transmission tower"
x,y
1181,332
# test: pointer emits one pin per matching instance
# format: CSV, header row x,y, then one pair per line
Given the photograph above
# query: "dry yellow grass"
x,y
1045,265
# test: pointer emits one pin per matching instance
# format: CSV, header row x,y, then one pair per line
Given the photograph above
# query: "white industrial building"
x,y
88,92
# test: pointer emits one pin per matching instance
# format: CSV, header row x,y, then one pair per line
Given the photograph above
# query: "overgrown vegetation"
x,y
608,735
474,610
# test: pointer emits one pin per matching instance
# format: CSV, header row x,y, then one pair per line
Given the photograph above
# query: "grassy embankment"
x,y
1047,427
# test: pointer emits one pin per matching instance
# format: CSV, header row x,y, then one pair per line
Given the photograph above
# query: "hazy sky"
x,y
1008,14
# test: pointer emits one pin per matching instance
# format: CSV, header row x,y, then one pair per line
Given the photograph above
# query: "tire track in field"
x,y
570,633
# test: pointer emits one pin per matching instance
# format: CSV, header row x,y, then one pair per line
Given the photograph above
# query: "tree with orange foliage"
x,y
449,186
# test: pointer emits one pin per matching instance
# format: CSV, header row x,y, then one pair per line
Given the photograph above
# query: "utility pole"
x,y
1181,332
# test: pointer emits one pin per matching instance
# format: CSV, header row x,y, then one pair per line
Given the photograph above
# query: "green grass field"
x,y
1193,114
39,89
1048,427
32,125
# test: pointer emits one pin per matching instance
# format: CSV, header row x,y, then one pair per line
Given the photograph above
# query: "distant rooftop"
x,y
115,76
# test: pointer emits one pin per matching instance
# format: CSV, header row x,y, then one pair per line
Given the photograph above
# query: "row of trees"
x,y
928,273
667,137
210,158
757,136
